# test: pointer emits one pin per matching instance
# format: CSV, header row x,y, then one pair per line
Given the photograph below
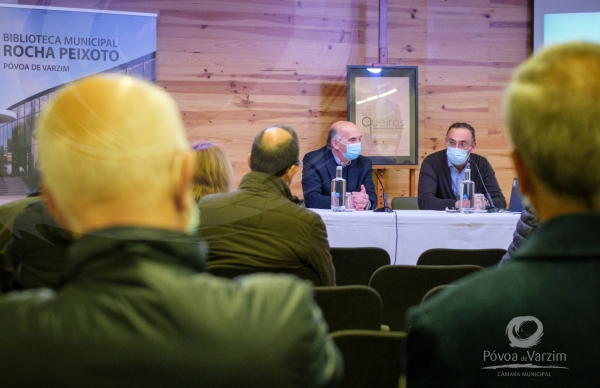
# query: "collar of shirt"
x,y
456,178
339,161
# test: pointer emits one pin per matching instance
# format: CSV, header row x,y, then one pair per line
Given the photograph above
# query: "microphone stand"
x,y
491,208
385,207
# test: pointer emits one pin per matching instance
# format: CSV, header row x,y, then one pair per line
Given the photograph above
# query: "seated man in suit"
x,y
529,323
136,309
342,149
258,225
443,171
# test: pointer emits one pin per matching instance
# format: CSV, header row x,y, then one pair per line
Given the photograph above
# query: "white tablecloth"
x,y
418,230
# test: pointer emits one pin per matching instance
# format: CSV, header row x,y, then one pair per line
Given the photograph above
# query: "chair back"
x,y
371,358
350,307
405,203
436,290
444,256
232,271
354,266
403,286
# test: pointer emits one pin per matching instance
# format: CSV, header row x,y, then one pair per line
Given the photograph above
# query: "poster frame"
x,y
410,72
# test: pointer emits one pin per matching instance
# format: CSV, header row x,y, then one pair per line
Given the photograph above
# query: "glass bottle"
x,y
338,191
467,194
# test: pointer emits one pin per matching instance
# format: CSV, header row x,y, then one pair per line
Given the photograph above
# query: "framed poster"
x,y
382,102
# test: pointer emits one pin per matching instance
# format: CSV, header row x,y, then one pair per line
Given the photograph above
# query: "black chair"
x,y
371,358
232,271
405,203
403,286
354,266
350,307
443,256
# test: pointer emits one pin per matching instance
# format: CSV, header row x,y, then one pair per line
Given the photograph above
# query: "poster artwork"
x,y
383,115
44,48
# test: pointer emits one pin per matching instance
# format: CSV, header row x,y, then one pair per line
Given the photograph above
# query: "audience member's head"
x,y
213,173
113,151
552,113
275,152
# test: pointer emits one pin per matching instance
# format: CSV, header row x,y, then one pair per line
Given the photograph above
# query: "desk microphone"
x,y
385,207
492,208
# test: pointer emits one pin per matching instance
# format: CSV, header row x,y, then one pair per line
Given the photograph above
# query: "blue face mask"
x,y
352,151
457,156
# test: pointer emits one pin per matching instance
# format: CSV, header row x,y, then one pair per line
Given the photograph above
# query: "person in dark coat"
x,y
319,168
443,171
526,224
533,322
39,248
8,213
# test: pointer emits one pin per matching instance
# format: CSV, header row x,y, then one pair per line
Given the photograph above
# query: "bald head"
x,y
274,150
275,136
105,137
341,130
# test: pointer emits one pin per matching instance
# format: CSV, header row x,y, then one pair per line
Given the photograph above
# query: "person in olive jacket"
x,y
136,309
259,226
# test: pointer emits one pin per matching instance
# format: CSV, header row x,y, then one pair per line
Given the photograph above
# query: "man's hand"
x,y
360,199
467,203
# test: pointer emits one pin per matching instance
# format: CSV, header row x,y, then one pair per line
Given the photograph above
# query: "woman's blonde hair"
x,y
213,170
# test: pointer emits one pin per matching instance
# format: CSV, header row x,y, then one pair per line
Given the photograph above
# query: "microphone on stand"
x,y
385,207
491,208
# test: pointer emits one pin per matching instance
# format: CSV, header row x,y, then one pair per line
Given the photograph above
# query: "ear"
x,y
249,164
335,144
526,185
53,209
186,175
289,175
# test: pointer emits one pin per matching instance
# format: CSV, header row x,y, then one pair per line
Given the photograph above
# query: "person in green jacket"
x,y
534,321
135,309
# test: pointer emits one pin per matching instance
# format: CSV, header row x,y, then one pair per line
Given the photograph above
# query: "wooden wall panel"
x,y
237,66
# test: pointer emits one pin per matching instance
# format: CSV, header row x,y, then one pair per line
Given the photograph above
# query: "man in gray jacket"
x,y
135,310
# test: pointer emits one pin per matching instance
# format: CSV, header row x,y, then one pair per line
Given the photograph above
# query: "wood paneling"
x,y
235,67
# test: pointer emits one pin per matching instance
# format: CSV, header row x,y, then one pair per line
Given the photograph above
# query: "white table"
x,y
418,230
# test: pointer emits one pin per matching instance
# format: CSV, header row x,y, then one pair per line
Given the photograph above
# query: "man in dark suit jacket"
x,y
534,321
342,149
443,171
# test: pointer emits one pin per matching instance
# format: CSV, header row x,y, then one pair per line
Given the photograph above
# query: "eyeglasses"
x,y
461,145
298,163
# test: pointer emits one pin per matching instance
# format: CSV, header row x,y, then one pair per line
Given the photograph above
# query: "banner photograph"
x,y
44,48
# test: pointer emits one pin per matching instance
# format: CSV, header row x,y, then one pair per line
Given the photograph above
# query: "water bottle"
x,y
338,191
467,194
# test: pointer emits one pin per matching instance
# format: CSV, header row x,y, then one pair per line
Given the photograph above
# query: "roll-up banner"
x,y
44,48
